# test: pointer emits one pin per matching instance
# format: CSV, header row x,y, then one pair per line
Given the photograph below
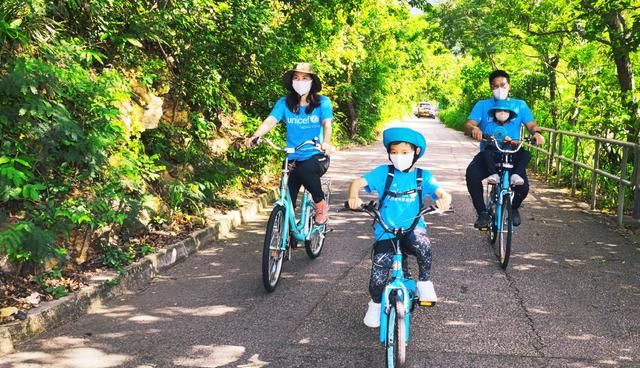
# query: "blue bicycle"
x,y
283,229
498,199
399,297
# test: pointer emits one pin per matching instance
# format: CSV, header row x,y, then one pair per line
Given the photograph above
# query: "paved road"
x,y
570,297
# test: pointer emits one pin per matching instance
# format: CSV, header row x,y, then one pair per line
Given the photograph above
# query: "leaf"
x,y
16,23
8,311
134,42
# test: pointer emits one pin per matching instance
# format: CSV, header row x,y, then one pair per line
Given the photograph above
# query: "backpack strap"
x,y
387,184
419,183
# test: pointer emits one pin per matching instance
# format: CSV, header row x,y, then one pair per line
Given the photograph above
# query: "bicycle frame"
x,y
400,287
301,230
505,175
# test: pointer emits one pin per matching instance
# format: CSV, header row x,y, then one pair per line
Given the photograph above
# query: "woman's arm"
x,y
326,140
263,129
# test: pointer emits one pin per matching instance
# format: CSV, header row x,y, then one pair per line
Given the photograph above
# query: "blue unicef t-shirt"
x,y
302,127
488,125
399,212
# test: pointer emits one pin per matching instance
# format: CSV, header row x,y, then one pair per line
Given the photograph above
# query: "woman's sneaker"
x,y
372,318
322,212
426,292
494,179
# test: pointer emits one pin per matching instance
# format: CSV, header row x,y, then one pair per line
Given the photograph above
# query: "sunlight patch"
x,y
207,311
211,356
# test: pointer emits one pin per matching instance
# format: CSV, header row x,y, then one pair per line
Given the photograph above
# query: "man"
x,y
480,120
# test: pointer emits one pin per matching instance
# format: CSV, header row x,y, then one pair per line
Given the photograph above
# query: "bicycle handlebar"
x,y
371,209
518,143
313,142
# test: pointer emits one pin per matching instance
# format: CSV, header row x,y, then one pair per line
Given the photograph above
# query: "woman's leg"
x,y
309,172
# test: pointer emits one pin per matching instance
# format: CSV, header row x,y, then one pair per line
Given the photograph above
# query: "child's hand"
x,y
355,203
444,201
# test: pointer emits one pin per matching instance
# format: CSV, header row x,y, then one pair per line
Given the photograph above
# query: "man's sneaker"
x,y
426,292
322,212
516,180
483,221
372,318
494,179
515,214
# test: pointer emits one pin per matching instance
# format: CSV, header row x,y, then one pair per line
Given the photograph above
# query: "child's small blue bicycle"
x,y
399,297
498,200
284,230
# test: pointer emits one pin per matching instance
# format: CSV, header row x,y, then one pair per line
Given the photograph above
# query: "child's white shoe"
x,y
372,318
426,292
516,180
493,179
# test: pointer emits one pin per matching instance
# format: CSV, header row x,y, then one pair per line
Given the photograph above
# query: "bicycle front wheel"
x,y
491,208
396,347
272,254
505,231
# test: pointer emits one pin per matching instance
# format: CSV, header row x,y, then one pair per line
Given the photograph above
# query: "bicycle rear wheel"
x,y
272,254
396,346
505,232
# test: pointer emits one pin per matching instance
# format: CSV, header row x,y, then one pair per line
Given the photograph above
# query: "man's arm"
x,y
536,132
471,128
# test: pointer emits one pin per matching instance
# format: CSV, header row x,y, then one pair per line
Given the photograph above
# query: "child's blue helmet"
x,y
393,135
504,105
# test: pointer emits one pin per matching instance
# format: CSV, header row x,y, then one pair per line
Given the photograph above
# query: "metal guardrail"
x,y
554,155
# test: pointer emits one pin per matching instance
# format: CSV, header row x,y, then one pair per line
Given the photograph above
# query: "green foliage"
x,y
118,258
48,281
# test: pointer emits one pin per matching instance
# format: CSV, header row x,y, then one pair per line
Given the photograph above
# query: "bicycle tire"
x,y
396,346
272,259
505,232
491,208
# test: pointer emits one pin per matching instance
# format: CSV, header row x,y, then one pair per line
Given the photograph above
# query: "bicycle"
x,y
498,200
283,230
399,298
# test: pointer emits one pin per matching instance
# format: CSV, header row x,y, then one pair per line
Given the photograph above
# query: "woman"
x,y
307,115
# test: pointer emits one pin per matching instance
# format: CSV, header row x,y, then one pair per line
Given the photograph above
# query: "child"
x,y
503,114
398,208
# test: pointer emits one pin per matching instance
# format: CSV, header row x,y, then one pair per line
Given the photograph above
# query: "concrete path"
x,y
569,298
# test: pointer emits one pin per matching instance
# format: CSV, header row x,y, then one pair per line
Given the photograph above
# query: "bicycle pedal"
x,y
426,304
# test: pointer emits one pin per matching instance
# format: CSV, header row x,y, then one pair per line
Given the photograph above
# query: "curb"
x,y
50,315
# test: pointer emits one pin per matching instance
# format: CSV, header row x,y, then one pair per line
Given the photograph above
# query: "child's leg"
x,y
419,244
382,260
520,161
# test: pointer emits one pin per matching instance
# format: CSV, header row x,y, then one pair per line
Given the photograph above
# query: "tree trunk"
x,y
351,105
551,64
624,72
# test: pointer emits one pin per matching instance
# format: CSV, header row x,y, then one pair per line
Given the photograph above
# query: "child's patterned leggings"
x,y
416,243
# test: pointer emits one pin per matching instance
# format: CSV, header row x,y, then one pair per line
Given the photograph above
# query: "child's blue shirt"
x,y
399,212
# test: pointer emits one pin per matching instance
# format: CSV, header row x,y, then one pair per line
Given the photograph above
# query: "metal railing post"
x,y
623,172
574,171
558,161
636,183
594,180
551,154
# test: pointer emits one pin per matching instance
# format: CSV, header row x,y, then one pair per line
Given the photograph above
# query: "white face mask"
x,y
402,161
502,116
302,87
501,93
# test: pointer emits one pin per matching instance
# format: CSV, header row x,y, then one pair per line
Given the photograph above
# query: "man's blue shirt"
x,y
488,125
399,212
302,127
